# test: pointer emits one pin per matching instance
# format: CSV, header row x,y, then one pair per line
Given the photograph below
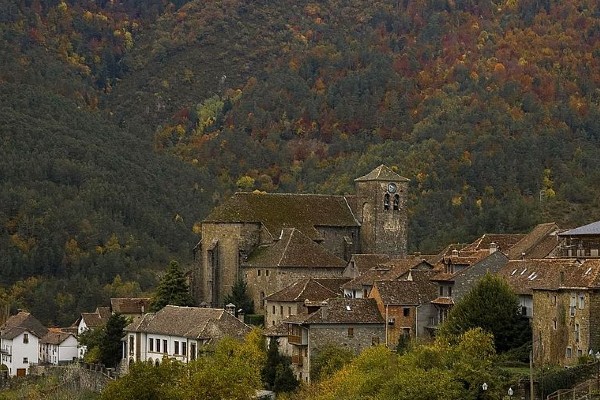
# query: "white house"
x,y
19,342
92,320
178,333
58,347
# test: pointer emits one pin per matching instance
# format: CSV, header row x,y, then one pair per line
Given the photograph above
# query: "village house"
x,y
406,305
129,307
583,241
290,300
243,237
20,342
563,301
354,324
93,320
179,333
58,347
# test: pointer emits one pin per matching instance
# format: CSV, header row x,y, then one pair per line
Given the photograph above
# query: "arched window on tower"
x,y
396,202
386,201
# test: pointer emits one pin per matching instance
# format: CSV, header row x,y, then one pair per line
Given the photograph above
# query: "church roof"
x,y
382,173
277,211
293,249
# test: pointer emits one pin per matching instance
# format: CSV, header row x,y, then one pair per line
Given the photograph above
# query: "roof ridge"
x,y
287,244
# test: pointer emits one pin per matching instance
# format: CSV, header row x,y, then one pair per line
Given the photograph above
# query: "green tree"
x,y
172,289
329,360
104,343
492,306
239,296
277,374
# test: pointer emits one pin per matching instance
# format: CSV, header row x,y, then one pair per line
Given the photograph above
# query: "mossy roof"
x,y
418,291
342,311
277,211
293,249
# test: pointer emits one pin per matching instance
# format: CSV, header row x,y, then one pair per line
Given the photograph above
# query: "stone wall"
x,y
78,376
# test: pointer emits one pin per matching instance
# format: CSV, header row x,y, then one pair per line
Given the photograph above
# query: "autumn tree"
x,y
277,374
172,289
329,359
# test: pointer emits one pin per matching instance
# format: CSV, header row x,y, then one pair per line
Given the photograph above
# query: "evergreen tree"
x,y
277,374
239,296
492,306
110,346
172,289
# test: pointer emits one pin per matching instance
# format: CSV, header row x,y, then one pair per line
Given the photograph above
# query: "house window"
x,y
158,345
569,352
406,312
266,272
289,311
131,344
449,291
554,300
273,310
183,348
406,332
258,271
579,353
441,290
25,360
350,332
151,343
524,311
581,301
281,310
193,351
25,338
576,333
176,347
165,346
554,323
386,202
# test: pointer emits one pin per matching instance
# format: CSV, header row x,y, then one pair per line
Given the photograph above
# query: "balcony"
x,y
295,339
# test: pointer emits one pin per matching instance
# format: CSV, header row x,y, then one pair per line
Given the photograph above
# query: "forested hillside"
x,y
124,122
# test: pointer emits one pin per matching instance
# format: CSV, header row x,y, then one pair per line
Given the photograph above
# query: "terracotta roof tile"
x,y
367,278
400,267
294,249
365,262
444,301
503,241
54,337
129,305
277,211
527,244
415,292
551,273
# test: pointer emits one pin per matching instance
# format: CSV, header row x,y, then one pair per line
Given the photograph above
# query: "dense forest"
x,y
124,122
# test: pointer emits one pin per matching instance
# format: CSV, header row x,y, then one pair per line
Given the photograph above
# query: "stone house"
x,y
178,333
292,257
130,307
541,242
406,305
291,300
20,343
564,294
58,347
361,263
236,234
354,324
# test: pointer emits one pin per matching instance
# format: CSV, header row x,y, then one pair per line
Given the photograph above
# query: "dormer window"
x,y
396,202
386,201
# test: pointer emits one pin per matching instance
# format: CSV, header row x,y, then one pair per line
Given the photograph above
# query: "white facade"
x,y
20,352
141,346
66,351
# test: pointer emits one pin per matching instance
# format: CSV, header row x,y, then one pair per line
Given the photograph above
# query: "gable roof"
x,y
55,337
536,244
524,276
399,267
341,311
22,322
365,262
589,229
129,305
418,291
97,318
190,322
293,249
382,173
306,289
503,241
279,210
366,279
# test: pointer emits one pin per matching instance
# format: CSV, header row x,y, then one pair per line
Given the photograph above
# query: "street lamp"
x,y
510,392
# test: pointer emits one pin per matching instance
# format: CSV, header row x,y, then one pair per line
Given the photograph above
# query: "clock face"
x,y
392,187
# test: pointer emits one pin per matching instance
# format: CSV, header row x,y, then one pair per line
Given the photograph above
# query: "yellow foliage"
x,y
457,201
23,244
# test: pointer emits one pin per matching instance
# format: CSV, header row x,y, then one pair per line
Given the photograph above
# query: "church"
x,y
271,240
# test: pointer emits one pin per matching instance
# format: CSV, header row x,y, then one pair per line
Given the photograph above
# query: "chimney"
x,y
454,253
493,248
